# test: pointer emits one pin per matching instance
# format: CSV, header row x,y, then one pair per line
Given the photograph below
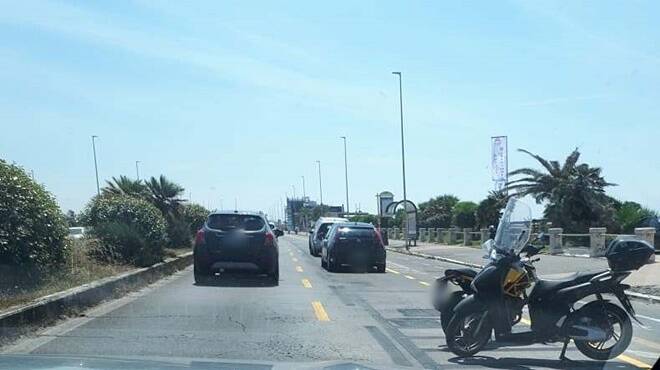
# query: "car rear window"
x,y
356,232
235,222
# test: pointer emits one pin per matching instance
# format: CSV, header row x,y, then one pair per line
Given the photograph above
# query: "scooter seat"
x,y
460,271
549,284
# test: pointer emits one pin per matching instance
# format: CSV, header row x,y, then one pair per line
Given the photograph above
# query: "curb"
x,y
19,320
633,295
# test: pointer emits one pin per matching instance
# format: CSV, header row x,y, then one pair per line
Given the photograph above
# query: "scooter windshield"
x,y
514,229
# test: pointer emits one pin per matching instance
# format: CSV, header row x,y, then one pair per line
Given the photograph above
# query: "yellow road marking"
x,y
424,283
634,361
299,269
409,277
392,271
647,343
306,283
295,259
319,311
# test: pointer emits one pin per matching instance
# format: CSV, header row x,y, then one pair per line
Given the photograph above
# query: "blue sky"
x,y
238,99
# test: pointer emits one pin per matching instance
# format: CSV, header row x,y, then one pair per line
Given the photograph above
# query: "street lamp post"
x,y
137,170
303,181
320,186
346,173
96,167
403,158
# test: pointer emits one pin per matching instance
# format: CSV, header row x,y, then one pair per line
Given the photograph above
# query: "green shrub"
x,y
195,215
178,232
464,214
33,232
128,227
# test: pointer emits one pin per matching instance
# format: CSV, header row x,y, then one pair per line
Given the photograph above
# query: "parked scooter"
x,y
445,297
600,329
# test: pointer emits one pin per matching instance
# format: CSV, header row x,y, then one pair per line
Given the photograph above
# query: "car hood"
x,y
60,362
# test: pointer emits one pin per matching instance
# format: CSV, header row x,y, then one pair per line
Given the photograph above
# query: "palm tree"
x,y
165,195
124,186
575,192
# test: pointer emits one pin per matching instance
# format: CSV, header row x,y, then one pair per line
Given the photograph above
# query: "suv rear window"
x,y
356,232
235,222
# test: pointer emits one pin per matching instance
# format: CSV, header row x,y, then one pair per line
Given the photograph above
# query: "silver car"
x,y
321,227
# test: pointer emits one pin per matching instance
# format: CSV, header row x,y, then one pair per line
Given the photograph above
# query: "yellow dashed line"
x,y
634,361
299,269
392,271
424,283
306,283
409,277
319,311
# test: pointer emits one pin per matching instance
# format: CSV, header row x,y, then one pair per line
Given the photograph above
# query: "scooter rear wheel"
x,y
619,335
468,334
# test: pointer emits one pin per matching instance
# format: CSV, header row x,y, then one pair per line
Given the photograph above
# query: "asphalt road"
x,y
384,320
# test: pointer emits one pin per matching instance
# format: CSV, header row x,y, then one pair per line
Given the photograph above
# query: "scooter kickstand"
x,y
562,356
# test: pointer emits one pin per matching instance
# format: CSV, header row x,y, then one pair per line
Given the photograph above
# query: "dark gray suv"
x,y
354,245
233,240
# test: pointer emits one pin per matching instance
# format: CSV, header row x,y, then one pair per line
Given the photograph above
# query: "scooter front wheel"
x,y
619,329
468,334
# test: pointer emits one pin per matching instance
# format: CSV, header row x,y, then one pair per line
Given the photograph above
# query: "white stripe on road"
x,y
649,318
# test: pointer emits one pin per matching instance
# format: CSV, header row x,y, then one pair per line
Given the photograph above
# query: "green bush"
x,y
195,215
33,232
178,232
128,227
464,214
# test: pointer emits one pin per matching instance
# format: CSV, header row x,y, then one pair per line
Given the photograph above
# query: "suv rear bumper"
x,y
209,263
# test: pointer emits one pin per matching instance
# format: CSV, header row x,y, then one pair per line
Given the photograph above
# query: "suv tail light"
x,y
200,238
379,238
269,240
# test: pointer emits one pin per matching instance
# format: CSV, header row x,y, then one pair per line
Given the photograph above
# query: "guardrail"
x,y
592,244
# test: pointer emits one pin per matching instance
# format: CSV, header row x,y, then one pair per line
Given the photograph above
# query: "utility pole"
x,y
137,170
320,186
346,173
403,158
96,168
303,181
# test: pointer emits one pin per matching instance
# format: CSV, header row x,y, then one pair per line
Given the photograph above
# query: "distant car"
x,y
77,232
353,244
321,227
275,230
233,240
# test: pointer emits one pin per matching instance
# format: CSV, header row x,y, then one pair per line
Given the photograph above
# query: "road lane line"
x,y
299,269
409,277
319,311
306,283
392,271
295,259
649,318
424,283
647,343
634,361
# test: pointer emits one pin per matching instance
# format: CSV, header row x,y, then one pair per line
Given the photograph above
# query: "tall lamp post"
x,y
137,170
96,167
346,173
303,181
320,186
403,157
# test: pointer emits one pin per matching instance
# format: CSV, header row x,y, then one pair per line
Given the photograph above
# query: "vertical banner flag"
x,y
499,161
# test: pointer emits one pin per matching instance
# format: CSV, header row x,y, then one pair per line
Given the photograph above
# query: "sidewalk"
x,y
645,280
